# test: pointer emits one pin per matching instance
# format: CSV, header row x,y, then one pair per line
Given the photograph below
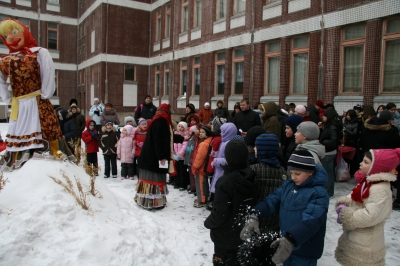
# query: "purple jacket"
x,y
228,131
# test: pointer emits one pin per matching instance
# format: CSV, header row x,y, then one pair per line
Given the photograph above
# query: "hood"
x,y
64,114
375,124
314,146
319,178
129,118
242,178
387,177
70,114
270,109
228,131
88,121
129,128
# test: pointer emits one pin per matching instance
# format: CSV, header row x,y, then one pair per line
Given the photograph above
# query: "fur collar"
x,y
103,128
384,127
389,177
70,114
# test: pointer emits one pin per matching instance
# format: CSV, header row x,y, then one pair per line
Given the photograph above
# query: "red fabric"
x,y
346,152
321,112
160,185
92,145
320,104
139,136
361,191
164,112
29,40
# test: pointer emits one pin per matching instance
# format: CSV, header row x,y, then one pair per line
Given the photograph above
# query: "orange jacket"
x,y
199,156
205,115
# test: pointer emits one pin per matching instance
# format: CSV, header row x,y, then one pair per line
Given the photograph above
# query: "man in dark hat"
x,y
145,110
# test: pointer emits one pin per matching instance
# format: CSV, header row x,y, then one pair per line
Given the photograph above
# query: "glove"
x,y
339,213
212,164
214,154
176,157
252,225
139,144
284,249
97,112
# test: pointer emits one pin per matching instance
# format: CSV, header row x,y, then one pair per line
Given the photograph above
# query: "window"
x,y
220,73
55,2
157,83
273,67
352,58
52,32
196,76
158,25
183,76
238,70
168,22
56,83
299,65
185,15
239,6
166,79
271,1
221,9
390,67
197,14
130,72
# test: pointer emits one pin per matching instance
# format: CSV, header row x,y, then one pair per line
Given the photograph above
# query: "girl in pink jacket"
x,y
126,152
181,180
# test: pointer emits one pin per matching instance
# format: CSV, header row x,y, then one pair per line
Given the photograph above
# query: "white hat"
x,y
96,99
207,104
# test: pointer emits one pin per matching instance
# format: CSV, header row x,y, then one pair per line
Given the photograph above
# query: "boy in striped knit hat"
x,y
302,203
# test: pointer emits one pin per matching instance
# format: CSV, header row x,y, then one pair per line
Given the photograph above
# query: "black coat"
x,y
68,127
109,141
329,137
290,147
79,121
147,111
314,115
245,120
235,194
351,132
378,134
157,146
225,113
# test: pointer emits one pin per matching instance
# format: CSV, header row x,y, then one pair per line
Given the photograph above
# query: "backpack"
x,y
208,169
141,108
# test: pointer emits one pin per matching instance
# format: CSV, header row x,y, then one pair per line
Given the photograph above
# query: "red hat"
x,y
384,161
320,104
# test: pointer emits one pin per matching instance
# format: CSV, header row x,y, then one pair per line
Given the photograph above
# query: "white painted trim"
x,y
43,16
183,37
219,26
27,3
121,59
6,1
156,46
195,34
238,21
165,43
52,7
54,54
64,66
297,5
272,11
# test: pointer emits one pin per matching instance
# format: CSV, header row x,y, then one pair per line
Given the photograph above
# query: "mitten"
x,y
284,249
97,112
176,157
214,154
212,164
139,144
339,213
252,225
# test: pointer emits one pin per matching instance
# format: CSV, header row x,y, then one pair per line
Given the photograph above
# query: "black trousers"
x,y
182,177
110,160
92,158
226,257
127,170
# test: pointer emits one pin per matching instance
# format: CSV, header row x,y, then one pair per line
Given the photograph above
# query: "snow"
x,y
41,224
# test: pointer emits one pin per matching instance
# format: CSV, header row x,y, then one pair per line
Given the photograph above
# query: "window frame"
x,y
167,31
234,61
57,35
218,63
55,94
166,84
157,86
195,15
266,65
235,11
385,38
347,43
195,66
217,9
183,68
134,73
185,5
158,25
294,51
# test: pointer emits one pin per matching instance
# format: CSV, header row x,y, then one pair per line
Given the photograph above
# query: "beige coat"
x,y
363,242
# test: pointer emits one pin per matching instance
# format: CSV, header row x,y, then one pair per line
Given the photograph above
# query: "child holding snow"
x,y
126,152
108,143
302,203
182,176
90,136
363,213
138,140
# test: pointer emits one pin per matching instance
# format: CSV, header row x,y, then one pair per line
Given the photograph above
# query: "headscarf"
x,y
28,38
164,112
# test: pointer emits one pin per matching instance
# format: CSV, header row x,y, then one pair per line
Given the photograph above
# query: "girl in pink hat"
x,y
363,213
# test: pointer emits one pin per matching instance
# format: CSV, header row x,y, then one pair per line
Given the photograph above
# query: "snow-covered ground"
x,y
41,224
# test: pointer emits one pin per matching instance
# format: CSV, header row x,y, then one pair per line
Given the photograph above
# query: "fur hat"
x,y
73,106
73,101
320,104
191,107
267,146
384,161
207,130
301,160
252,135
293,121
236,153
96,99
309,130
184,124
300,109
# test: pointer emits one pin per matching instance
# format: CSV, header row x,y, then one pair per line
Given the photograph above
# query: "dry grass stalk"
x,y
79,196
3,181
92,171
78,150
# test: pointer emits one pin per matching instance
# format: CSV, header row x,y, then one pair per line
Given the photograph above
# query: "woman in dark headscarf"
x,y
154,161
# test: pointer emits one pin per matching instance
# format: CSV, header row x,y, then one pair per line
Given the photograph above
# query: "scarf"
x,y
28,38
361,191
164,112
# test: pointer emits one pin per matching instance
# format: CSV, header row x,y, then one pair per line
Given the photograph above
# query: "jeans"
x,y
328,164
127,170
110,159
294,260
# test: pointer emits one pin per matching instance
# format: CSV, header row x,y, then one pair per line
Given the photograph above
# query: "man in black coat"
x,y
246,119
146,110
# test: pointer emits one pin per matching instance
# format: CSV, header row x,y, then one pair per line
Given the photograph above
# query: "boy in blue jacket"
x,y
302,203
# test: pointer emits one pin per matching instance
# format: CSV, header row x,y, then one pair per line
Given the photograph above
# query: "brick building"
x,y
344,52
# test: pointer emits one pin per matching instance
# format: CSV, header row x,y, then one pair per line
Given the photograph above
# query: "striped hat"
x,y
267,146
301,160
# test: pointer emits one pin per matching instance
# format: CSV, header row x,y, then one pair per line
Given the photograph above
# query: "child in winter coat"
x,y
129,120
126,153
182,175
363,213
302,203
108,143
190,147
306,138
90,136
199,160
235,194
138,140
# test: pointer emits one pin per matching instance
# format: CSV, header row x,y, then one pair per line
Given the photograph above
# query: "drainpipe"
x,y
106,81
321,65
39,23
150,48
251,54
77,60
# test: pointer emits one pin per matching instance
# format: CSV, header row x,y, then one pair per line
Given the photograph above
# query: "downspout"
x,y
149,66
172,79
106,81
77,59
321,65
251,54
39,22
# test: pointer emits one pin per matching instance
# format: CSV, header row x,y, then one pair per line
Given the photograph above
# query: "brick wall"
x,y
331,64
285,70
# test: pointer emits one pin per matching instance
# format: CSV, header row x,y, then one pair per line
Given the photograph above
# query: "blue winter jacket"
x,y
302,212
396,118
